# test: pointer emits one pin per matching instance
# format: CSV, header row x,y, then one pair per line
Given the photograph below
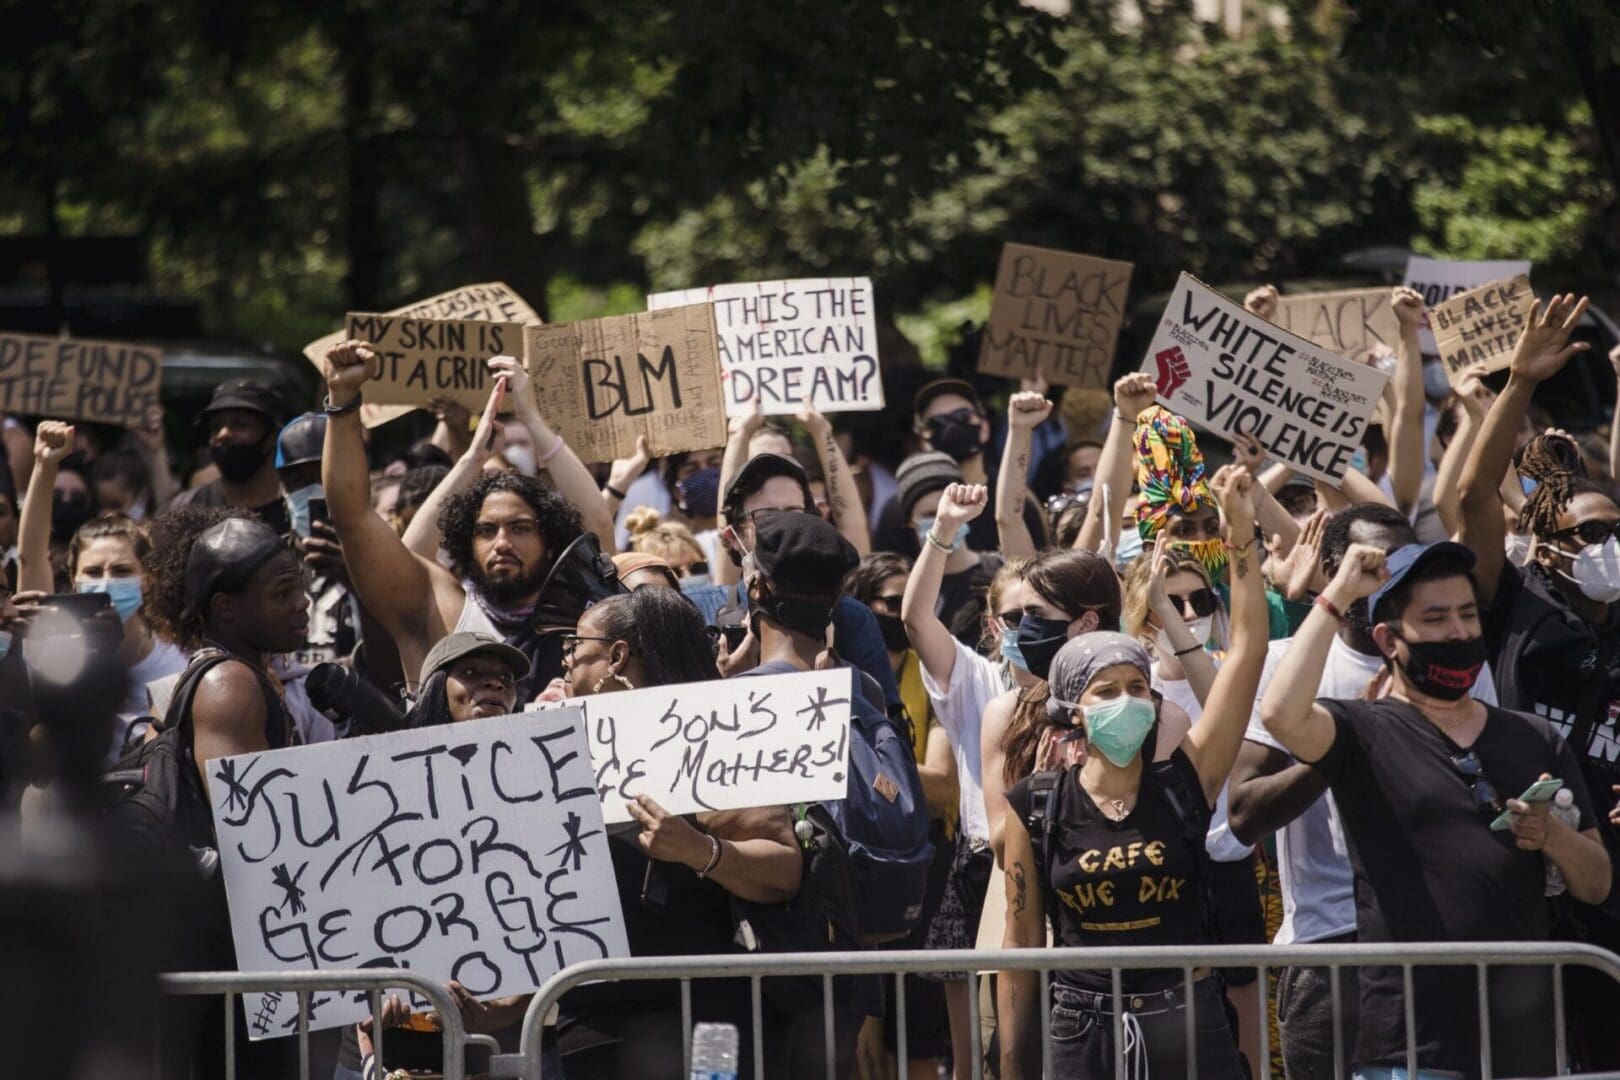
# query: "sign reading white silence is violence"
x,y
1229,371
474,851
762,741
788,344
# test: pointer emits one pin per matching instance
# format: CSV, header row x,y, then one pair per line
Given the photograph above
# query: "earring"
x,y
624,683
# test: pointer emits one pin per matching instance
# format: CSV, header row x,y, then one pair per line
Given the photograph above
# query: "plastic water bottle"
x,y
1563,808
714,1052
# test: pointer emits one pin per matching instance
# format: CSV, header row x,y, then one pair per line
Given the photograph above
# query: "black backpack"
x,y
156,794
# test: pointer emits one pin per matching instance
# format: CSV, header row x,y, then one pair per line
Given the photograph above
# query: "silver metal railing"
x,y
525,1065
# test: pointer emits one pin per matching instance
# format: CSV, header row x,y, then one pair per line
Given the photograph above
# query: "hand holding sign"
x,y
1247,452
668,837
1544,347
1262,301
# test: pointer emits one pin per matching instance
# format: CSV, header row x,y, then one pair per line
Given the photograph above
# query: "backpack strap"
x,y
1041,823
1187,803
277,724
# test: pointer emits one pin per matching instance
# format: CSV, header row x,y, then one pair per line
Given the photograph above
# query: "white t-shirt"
x,y
975,682
164,659
1313,865
1220,843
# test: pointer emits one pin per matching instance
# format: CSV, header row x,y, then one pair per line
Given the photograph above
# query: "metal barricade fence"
x,y
525,1065
374,982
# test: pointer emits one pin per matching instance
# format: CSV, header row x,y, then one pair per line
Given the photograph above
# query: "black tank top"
x,y
1138,881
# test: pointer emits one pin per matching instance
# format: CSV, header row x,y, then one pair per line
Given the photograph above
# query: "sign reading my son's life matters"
x,y
788,344
1229,372
472,851
766,740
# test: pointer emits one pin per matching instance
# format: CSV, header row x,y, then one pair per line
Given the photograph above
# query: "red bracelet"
x,y
1330,607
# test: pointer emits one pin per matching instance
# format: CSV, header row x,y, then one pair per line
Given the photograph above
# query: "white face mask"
x,y
1517,548
1199,628
1595,570
522,459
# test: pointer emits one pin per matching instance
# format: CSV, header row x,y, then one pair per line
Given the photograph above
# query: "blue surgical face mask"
x,y
1435,384
5,643
1009,649
298,507
926,526
1129,549
124,592
1358,461
1118,728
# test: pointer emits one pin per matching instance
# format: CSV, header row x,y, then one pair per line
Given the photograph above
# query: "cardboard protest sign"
x,y
730,745
602,382
1348,322
1229,371
1438,280
788,344
108,382
491,301
1056,315
423,359
473,851
1482,326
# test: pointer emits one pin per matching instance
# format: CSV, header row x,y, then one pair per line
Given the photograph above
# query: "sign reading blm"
x,y
788,344
1056,316
1482,326
602,382
764,741
1230,372
474,852
420,360
78,379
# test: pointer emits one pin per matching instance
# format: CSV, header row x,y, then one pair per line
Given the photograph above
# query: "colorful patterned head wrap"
x,y
1169,470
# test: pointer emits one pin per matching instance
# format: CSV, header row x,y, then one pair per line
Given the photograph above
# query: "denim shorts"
x,y
1154,1030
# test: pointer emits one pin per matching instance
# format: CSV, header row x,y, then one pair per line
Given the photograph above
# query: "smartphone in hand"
x,y
1540,791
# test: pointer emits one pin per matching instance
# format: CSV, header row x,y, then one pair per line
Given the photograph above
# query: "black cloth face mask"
x,y
1039,641
894,632
1445,670
238,462
956,434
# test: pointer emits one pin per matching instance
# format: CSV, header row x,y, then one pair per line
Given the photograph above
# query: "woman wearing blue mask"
x,y
1122,861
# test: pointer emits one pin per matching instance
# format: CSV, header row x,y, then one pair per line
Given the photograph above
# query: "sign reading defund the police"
x,y
473,851
105,381
1231,372
788,344
766,740
420,360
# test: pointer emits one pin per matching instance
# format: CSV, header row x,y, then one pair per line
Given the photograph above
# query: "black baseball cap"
x,y
300,442
225,556
252,395
1406,560
758,469
931,390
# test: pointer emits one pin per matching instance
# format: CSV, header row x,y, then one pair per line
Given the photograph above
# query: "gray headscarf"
x,y
1078,662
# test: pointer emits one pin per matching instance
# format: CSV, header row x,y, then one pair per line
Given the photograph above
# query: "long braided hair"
x,y
1554,463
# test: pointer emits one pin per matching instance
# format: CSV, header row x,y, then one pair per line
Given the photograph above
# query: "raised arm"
x,y
422,536
1274,521
390,581
1190,656
624,472
843,498
156,451
1212,744
739,431
1406,449
1289,709
1614,425
53,441
1543,350
1018,998
1474,400
1026,411
935,646
1116,464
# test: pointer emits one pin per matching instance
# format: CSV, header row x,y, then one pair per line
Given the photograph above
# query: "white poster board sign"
x,y
1229,371
472,851
788,344
1438,280
766,740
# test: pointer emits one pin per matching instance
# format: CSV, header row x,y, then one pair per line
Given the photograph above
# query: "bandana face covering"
x,y
1211,555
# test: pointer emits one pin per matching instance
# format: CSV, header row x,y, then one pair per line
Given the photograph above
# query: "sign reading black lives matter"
x,y
1229,371
474,852
788,344
1055,315
78,379
762,741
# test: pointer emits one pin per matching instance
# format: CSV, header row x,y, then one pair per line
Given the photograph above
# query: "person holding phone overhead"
x,y
1419,777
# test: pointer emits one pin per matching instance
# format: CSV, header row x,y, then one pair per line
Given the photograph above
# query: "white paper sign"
x,y
766,740
788,344
1229,371
472,851
1440,279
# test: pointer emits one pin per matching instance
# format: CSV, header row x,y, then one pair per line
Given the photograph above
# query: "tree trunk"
x,y
501,240
363,280
1601,83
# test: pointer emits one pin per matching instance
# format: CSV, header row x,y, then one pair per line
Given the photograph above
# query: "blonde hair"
x,y
650,534
1134,618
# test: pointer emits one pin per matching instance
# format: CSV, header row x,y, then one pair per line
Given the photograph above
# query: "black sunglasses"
x,y
1591,532
1203,602
1468,767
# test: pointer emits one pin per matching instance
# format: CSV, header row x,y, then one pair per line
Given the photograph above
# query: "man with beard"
x,y
502,535
241,423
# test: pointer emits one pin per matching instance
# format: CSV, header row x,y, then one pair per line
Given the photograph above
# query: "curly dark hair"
x,y
560,523
163,576
862,582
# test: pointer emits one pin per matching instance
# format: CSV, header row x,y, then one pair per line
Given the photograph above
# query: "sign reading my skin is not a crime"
x,y
419,360
1230,371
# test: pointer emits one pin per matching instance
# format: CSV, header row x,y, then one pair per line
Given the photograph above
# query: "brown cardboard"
x,y
1482,326
1056,315
1348,322
108,382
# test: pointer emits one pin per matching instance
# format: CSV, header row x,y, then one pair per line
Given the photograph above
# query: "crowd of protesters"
x,y
1143,694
